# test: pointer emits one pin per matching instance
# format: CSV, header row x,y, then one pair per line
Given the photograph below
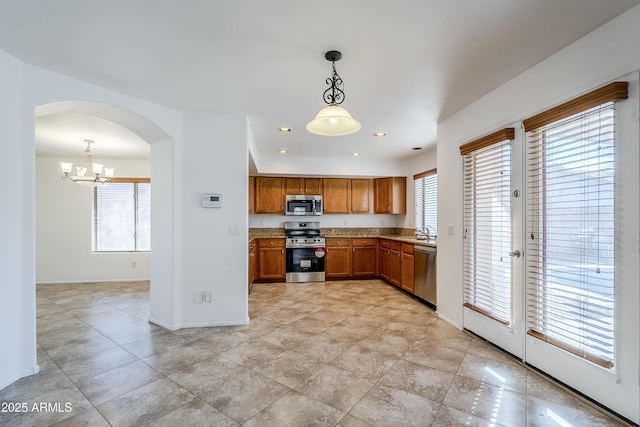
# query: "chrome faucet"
x,y
425,232
431,236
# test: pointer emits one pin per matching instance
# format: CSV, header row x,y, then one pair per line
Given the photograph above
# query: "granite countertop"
x,y
399,234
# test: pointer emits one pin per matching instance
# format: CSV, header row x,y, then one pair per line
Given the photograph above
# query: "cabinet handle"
x,y
354,249
271,243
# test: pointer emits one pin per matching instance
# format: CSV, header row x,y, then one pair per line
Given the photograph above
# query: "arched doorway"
x,y
150,146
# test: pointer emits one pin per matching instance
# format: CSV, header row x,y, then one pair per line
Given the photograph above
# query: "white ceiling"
x,y
406,64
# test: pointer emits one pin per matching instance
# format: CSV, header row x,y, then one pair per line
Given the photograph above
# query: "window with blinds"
x,y
487,228
426,190
122,217
571,225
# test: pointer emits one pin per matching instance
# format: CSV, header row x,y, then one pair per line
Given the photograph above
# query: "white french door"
x,y
552,243
493,239
583,265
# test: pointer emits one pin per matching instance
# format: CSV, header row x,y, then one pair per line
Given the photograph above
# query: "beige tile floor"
x,y
354,353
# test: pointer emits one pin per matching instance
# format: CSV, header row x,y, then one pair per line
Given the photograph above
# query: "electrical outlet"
x,y
133,264
207,296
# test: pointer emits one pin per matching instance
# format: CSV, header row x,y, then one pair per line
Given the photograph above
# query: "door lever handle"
x,y
515,253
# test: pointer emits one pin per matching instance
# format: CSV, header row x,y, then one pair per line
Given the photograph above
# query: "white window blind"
x,y
426,189
487,231
121,217
571,233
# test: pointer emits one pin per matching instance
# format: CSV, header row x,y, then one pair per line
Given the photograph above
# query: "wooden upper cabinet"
x,y
270,193
310,186
313,186
390,195
252,194
336,195
361,196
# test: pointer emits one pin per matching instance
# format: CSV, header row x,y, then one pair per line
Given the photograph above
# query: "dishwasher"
x,y
424,273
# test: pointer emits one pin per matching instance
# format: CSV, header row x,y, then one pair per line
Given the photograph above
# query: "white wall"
x,y
180,172
348,167
213,159
63,229
605,54
17,291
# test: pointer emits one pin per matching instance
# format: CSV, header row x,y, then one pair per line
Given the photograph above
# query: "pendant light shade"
x,y
333,120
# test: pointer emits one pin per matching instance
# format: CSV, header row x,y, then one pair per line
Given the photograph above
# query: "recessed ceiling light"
x,y
284,129
417,148
355,154
282,151
379,134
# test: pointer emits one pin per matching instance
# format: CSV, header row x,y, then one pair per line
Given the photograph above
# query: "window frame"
x,y
433,202
135,212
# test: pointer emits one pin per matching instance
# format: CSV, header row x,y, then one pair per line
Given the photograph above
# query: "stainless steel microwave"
x,y
303,205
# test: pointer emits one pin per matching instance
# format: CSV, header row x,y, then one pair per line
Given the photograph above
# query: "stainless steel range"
x,y
305,250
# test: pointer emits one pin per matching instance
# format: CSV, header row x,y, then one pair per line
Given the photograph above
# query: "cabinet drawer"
x,y
363,242
385,243
407,248
396,246
332,241
271,243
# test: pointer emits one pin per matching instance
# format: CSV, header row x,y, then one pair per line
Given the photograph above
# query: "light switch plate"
x,y
451,230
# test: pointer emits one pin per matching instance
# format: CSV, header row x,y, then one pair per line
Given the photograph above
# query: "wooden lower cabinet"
x,y
395,263
384,259
406,268
337,263
271,259
253,263
364,256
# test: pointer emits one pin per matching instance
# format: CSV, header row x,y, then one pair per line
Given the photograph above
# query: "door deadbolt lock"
x,y
515,253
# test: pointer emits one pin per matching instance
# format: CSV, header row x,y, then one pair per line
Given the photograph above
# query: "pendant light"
x,y
333,120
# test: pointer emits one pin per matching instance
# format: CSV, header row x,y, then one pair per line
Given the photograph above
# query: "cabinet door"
x,y
395,267
384,261
382,190
364,261
252,194
271,263
398,195
361,196
294,185
313,186
253,265
406,272
269,194
338,258
336,195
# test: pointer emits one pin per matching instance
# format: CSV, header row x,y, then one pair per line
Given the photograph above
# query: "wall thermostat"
x,y
211,201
